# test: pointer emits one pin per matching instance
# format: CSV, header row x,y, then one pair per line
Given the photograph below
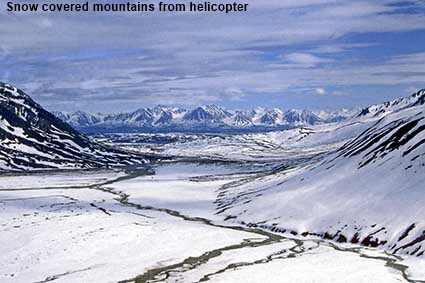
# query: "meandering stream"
x,y
267,238
257,251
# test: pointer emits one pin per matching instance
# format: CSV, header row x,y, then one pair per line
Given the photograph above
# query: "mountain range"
x,y
31,137
200,119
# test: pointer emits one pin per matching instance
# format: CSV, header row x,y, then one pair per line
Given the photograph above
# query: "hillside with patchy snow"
x,y
32,138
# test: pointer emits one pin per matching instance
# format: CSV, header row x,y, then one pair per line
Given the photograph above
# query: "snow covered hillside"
x,y
32,138
370,191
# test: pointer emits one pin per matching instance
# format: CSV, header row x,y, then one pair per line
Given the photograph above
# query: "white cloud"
x,y
305,59
204,57
320,91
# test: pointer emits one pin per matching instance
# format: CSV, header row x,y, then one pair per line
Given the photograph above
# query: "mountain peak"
x,y
420,97
8,91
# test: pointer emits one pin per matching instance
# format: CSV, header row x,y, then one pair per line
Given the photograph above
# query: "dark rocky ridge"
x,y
33,138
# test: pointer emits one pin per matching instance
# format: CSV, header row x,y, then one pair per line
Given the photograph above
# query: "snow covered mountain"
x,y
32,138
79,118
360,181
203,118
208,114
337,116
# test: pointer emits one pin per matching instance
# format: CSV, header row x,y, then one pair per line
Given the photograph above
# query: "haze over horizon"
x,y
311,54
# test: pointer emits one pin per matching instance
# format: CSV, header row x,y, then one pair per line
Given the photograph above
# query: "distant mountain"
x,y
207,114
202,118
32,138
242,119
336,116
303,117
212,118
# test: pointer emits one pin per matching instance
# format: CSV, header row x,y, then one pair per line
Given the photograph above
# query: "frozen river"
x,y
159,224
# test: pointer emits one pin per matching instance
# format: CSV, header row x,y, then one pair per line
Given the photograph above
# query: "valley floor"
x,y
159,224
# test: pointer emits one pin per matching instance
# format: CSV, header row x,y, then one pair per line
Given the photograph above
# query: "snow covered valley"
x,y
335,202
159,223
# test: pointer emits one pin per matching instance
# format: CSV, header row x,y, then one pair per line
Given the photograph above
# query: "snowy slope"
x,y
32,138
278,145
370,191
381,110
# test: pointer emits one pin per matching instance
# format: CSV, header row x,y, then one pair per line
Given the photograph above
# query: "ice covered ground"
x,y
159,224
86,235
271,146
186,189
55,179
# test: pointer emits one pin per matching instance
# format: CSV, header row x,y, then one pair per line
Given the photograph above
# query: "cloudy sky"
x,y
290,54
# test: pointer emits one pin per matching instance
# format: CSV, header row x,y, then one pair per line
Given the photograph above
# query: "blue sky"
x,y
316,54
